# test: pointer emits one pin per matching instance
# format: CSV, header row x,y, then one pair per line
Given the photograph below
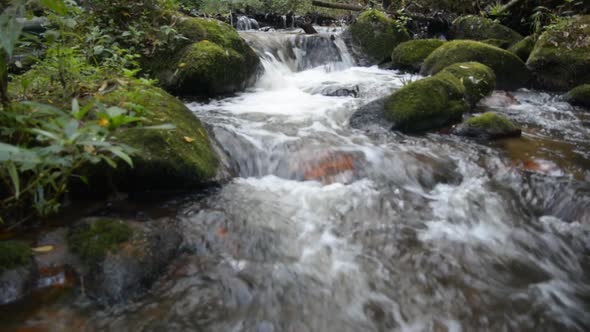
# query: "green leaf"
x,y
17,154
119,153
57,6
46,134
75,106
14,177
115,111
165,126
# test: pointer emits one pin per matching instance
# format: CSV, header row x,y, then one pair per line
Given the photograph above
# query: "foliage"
x,y
14,254
43,145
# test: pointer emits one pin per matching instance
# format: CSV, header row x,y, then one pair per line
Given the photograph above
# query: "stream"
x,y
331,228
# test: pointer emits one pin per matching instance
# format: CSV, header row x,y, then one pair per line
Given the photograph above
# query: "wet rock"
x,y
561,57
479,80
374,36
523,48
580,96
427,104
511,72
481,28
369,115
16,270
174,159
339,91
489,125
121,259
411,54
213,59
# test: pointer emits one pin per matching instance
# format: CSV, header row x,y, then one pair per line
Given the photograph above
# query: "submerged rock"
x,y
16,271
489,125
121,259
561,57
411,54
426,104
479,80
213,59
523,48
174,159
580,96
374,36
481,28
511,72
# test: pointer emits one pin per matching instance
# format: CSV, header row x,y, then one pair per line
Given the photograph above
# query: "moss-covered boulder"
x,y
561,57
212,60
120,259
411,54
427,104
479,80
374,36
580,96
489,125
173,159
511,72
523,48
481,28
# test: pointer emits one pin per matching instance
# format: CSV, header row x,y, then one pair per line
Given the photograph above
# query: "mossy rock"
x,y
213,60
481,28
427,104
523,48
411,54
500,43
175,159
561,57
511,72
580,96
479,80
14,254
489,125
376,35
92,240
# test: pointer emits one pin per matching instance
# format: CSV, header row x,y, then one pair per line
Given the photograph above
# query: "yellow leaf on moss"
x,y
43,249
188,139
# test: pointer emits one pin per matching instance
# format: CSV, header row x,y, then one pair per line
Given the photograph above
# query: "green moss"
x,y
523,48
411,54
427,104
479,80
377,35
561,57
481,28
92,242
208,67
580,95
228,62
169,159
490,121
14,254
500,43
511,72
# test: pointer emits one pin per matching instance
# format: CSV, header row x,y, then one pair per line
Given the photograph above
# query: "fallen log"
x,y
337,5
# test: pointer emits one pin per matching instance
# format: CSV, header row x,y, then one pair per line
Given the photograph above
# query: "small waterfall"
x,y
245,23
298,52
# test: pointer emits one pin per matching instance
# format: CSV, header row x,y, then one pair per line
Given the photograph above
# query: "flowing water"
x,y
330,228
